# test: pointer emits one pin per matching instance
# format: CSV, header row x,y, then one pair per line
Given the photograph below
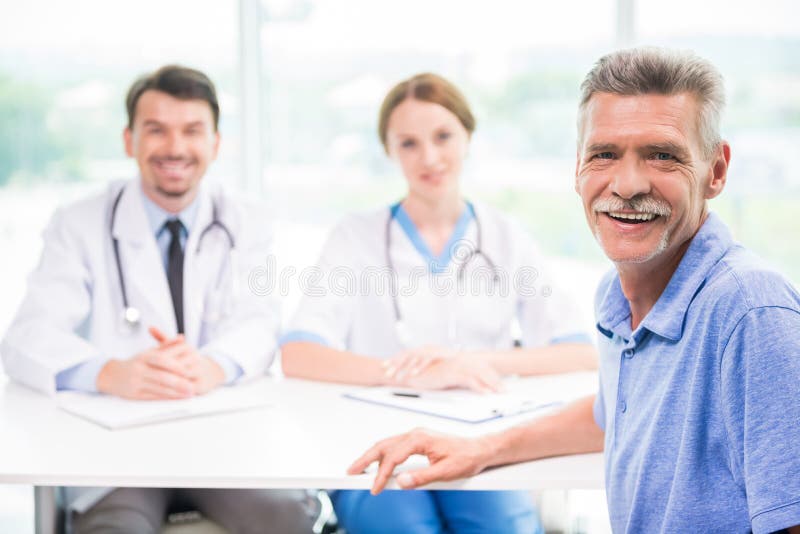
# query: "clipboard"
x,y
457,405
116,413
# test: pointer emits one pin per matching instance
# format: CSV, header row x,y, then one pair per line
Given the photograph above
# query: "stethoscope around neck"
x,y
131,315
403,334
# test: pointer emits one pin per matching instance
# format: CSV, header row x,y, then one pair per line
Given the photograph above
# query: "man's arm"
x,y
570,431
42,340
760,371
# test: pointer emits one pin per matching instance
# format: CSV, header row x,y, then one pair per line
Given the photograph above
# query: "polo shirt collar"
x,y
614,311
667,318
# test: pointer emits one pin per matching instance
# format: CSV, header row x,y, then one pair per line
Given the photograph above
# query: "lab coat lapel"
x,y
198,268
142,266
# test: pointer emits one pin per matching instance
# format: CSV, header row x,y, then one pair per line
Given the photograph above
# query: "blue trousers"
x,y
436,512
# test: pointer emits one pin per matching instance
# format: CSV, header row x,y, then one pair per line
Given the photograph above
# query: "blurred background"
x,y
300,83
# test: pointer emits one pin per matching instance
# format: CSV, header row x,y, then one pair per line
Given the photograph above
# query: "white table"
x,y
306,438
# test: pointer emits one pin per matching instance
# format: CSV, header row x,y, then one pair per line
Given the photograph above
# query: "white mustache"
x,y
637,204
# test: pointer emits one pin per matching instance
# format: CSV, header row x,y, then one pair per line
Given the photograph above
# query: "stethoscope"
x,y
131,315
401,329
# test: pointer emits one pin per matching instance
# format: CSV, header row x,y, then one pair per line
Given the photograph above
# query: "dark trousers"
x,y
143,510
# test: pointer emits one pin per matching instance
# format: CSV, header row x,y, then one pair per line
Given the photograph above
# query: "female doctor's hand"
x,y
438,368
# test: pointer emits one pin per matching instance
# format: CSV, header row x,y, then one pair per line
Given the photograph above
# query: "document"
x,y
116,413
521,396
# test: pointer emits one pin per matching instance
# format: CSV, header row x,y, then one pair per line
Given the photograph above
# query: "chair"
x,y
50,516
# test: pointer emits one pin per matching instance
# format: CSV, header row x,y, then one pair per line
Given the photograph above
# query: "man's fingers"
x,y
394,451
411,443
373,454
162,338
157,334
165,380
165,362
363,461
386,468
180,339
206,370
425,475
158,393
389,453
174,350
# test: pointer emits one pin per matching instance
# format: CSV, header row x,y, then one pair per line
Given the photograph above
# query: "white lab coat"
x,y
341,308
73,307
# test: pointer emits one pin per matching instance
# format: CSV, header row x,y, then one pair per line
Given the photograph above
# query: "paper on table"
x,y
524,395
115,413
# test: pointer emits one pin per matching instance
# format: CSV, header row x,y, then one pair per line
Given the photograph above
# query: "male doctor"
x,y
137,295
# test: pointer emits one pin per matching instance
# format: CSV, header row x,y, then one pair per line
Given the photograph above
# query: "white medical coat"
x,y
72,310
348,305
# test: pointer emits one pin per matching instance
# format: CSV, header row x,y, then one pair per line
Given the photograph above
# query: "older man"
x,y
698,406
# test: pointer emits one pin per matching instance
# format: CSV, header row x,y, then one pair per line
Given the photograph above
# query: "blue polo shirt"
x,y
701,403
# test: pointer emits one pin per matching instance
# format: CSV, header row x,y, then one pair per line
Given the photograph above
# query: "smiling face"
x,y
642,177
173,141
429,143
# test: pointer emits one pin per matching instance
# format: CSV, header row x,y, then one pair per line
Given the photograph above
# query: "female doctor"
x,y
434,292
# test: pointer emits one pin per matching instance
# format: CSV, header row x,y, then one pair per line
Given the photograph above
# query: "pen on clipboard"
x,y
422,396
406,394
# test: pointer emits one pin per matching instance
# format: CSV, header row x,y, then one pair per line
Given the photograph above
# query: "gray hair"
x,y
649,70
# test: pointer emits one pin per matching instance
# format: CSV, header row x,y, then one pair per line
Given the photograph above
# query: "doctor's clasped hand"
x,y
172,370
433,367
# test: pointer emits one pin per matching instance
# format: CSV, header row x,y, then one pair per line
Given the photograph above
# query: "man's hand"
x,y
450,458
154,374
437,368
172,370
204,373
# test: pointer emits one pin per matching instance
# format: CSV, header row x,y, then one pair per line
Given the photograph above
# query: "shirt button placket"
x,y
627,354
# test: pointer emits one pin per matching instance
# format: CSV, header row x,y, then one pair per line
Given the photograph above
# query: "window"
x,y
325,66
326,75
756,46
64,73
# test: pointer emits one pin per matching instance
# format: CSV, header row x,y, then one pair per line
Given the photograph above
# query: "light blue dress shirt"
x,y
157,217
700,403
83,377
